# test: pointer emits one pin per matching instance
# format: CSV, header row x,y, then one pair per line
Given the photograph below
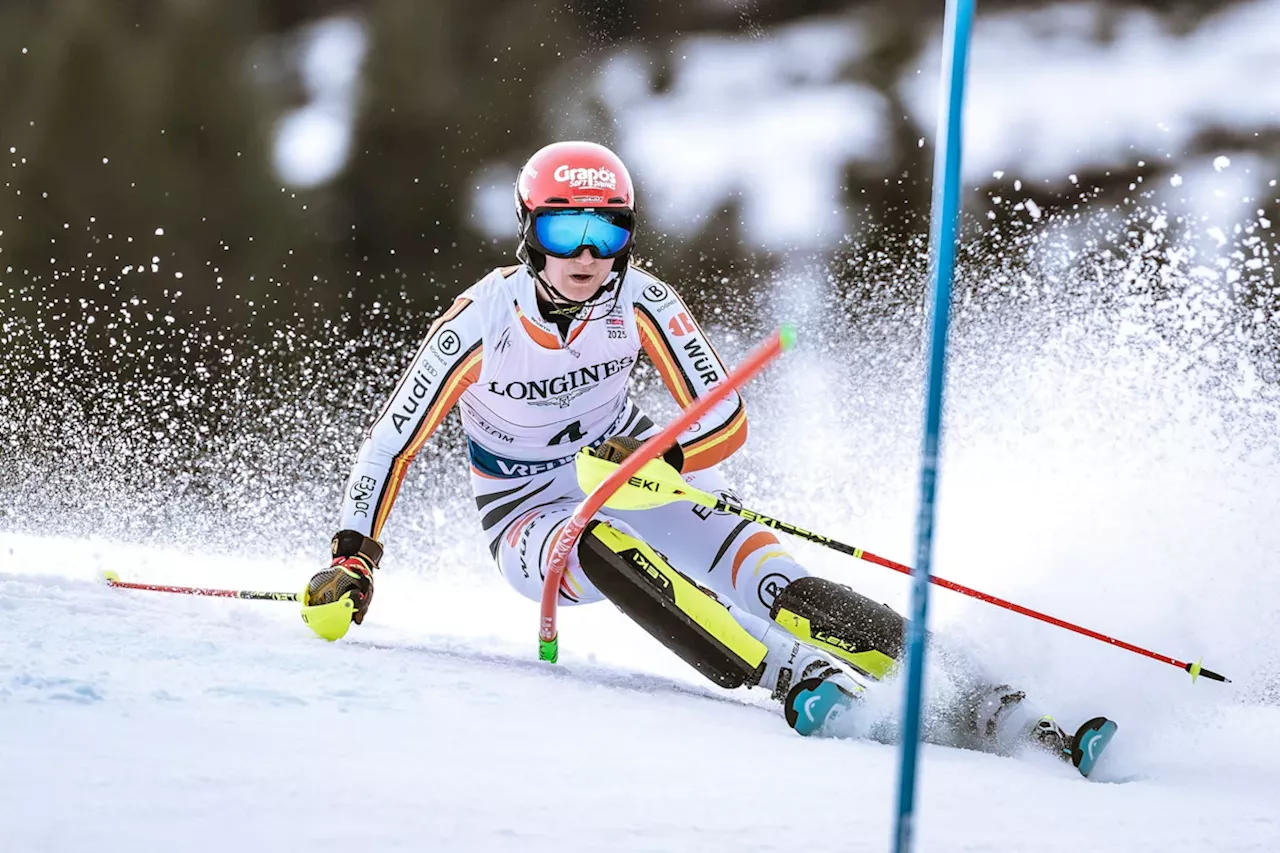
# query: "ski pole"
x,y
558,561
657,483
113,579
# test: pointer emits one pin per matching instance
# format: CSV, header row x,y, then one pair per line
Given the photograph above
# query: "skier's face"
x,y
578,278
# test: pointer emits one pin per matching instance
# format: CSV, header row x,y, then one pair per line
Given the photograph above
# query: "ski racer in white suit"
x,y
538,357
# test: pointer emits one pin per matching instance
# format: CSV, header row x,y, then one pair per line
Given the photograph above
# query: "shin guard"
x,y
669,606
866,635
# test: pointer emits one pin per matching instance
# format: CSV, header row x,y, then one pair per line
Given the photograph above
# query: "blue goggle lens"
x,y
565,233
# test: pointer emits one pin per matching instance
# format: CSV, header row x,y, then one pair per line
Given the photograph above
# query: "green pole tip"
x,y
549,650
787,334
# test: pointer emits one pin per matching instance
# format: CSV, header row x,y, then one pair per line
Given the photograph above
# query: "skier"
x,y
538,357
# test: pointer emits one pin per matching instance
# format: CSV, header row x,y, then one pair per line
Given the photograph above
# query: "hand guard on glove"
x,y
619,447
355,556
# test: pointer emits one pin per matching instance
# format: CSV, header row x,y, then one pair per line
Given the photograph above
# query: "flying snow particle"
x,y
1220,163
1175,181
159,232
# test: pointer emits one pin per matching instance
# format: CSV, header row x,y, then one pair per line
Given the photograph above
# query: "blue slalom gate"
x,y
942,251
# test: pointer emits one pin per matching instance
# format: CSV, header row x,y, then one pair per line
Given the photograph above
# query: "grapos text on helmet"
x,y
587,178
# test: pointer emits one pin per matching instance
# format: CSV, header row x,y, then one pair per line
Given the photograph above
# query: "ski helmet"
x,y
568,176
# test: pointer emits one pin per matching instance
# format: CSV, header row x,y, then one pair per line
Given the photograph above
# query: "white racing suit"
x,y
530,398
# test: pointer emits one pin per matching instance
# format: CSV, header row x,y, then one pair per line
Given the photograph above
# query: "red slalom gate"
x,y
548,637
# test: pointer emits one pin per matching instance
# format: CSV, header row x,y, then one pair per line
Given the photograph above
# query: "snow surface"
x,y
143,721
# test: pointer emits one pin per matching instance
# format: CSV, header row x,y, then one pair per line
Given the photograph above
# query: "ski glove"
x,y
619,447
355,556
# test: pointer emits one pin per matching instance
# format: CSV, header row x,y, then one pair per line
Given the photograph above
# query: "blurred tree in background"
x,y
138,132
140,138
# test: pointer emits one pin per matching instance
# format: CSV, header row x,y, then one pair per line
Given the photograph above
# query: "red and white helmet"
x,y
572,175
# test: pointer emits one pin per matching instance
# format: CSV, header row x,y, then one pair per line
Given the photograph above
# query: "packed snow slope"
x,y
1111,457
137,721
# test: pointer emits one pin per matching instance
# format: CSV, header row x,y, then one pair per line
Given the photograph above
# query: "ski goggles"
x,y
565,232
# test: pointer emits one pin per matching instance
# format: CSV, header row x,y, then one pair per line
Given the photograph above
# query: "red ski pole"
x,y
663,484
113,579
1195,669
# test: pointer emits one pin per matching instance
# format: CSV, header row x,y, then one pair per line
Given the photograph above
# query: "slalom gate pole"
x,y
942,238
113,579
548,637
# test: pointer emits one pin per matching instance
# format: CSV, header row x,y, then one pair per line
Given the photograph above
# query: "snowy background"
x,y
222,231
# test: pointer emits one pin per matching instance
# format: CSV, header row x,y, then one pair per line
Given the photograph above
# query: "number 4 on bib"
x,y
573,432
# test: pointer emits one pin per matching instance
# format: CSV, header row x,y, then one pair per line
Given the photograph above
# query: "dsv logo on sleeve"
x,y
360,493
362,489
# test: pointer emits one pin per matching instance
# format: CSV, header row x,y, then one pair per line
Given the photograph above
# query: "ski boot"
x,y
1047,735
812,686
1002,724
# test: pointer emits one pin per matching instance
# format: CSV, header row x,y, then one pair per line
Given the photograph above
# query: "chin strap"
x,y
564,306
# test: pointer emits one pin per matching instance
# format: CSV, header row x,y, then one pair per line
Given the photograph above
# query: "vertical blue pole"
x,y
942,250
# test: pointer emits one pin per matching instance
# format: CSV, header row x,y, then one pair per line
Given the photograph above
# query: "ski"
x,y
1089,742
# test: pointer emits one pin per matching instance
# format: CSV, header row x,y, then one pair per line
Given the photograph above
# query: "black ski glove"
x,y
355,556
619,447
